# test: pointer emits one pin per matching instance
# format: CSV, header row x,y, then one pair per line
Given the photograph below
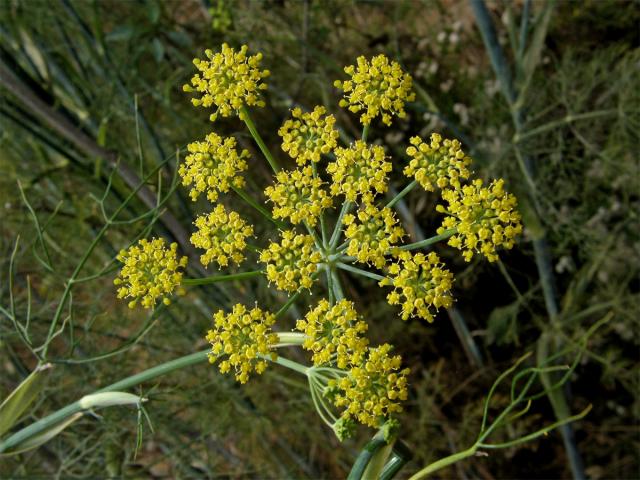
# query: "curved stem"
x,y
444,462
44,424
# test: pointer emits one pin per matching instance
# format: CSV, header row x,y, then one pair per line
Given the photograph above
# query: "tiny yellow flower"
x,y
309,135
222,235
334,334
213,166
292,262
150,271
420,284
298,196
485,218
372,391
379,87
229,80
244,337
359,171
372,235
439,163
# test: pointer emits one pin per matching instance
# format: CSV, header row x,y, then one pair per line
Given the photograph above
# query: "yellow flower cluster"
x,y
229,80
150,271
439,163
379,87
222,235
298,196
373,235
309,135
484,218
334,334
243,336
359,171
373,390
420,283
213,166
292,262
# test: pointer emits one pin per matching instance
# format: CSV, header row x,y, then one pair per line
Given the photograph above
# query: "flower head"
x,y
372,391
379,87
242,336
150,271
485,218
222,235
309,135
372,235
420,283
334,331
298,196
229,80
213,166
439,163
292,262
359,171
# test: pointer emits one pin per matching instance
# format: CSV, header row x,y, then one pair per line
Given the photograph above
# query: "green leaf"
x,y
153,9
157,49
502,325
22,397
121,33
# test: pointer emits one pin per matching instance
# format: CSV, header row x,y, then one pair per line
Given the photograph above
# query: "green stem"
x,y
337,286
55,418
429,241
402,194
252,203
290,364
290,338
44,424
365,133
444,462
246,117
221,278
359,271
335,237
85,258
519,137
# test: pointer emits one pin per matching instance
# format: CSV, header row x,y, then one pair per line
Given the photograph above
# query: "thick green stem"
x,y
51,420
244,115
290,364
222,278
365,133
44,424
290,338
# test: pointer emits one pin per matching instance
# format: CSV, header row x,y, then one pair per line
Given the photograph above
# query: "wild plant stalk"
x,y
366,383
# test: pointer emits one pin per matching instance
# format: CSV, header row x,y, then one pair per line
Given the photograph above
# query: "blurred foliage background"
x,y
89,86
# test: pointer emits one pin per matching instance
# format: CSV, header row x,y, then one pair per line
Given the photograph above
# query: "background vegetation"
x,y
89,86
